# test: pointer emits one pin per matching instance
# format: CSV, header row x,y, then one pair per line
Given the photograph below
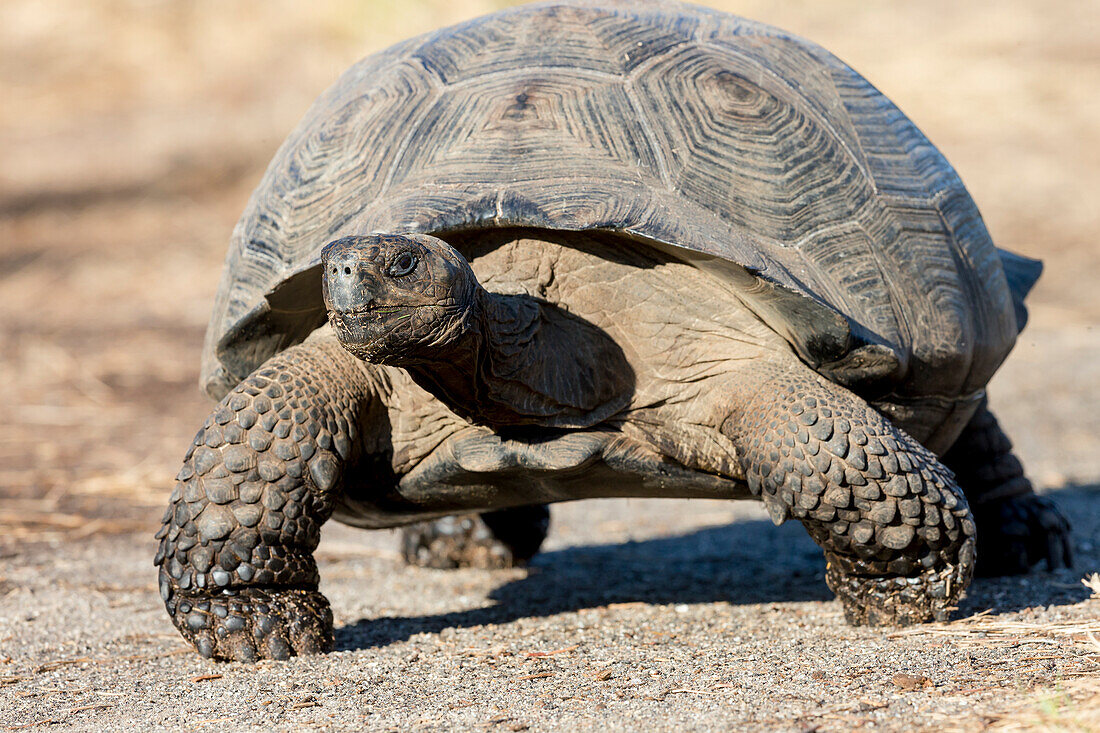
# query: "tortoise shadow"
x,y
734,563
1080,503
741,563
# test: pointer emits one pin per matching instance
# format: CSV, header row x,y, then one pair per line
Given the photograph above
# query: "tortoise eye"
x,y
403,265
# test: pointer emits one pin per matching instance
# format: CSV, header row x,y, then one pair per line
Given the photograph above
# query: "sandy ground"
x,y
131,135
635,617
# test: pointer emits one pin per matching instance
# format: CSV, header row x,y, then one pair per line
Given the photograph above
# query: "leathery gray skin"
x,y
304,436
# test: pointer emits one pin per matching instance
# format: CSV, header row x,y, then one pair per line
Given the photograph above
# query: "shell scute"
x,y
742,149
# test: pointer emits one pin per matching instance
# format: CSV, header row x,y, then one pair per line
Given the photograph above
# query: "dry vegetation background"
x,y
132,131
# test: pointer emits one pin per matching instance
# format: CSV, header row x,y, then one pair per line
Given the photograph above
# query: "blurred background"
x,y
132,131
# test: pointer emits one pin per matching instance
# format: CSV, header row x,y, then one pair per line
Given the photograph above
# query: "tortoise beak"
x,y
348,284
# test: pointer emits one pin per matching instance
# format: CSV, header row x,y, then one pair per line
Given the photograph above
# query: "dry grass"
x,y
1070,704
1073,707
1074,640
1092,582
986,626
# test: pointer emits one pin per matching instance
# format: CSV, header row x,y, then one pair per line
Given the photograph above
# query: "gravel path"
x,y
639,615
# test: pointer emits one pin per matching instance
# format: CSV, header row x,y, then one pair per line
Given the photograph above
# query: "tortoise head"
x,y
398,299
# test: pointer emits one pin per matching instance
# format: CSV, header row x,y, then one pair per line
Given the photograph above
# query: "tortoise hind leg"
x,y
501,539
237,573
897,532
1016,527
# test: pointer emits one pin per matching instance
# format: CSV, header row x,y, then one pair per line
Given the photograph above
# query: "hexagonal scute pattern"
x,y
676,124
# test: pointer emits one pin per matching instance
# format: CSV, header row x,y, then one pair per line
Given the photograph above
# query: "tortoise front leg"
x,y
237,573
897,532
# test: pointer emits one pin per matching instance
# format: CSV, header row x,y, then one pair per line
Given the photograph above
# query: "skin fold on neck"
x,y
520,361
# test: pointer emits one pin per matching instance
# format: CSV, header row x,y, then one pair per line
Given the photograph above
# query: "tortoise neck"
x,y
520,361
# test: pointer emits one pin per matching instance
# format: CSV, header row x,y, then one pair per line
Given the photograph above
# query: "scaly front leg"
x,y
237,573
897,532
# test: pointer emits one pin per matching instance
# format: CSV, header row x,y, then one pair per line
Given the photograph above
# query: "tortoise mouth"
x,y
365,313
358,331
368,331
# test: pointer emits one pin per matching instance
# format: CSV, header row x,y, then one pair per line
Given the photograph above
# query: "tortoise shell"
x,y
736,146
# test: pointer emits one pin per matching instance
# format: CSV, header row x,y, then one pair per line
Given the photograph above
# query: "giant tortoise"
x,y
601,249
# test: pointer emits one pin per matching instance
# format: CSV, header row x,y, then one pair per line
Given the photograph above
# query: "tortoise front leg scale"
x,y
237,573
897,532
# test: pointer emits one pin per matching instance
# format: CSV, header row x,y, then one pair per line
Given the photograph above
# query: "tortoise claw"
x,y
254,623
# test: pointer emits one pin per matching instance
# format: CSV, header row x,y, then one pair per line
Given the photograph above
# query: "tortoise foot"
x,y
463,541
254,623
897,601
1016,533
501,539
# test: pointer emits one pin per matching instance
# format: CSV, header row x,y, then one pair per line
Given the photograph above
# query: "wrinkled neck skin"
x,y
517,361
